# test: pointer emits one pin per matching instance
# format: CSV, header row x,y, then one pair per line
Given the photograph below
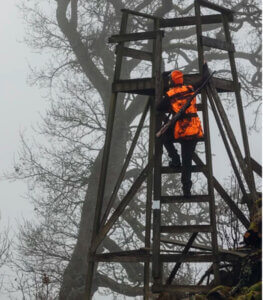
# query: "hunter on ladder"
x,y
187,128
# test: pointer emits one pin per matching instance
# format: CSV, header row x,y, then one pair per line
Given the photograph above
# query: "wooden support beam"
x,y
137,54
145,86
232,205
183,255
159,288
185,228
194,169
139,36
256,167
125,165
202,247
190,21
135,256
217,44
121,207
139,14
216,7
181,199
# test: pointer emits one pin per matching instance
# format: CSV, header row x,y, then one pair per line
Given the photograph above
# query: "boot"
x,y
175,161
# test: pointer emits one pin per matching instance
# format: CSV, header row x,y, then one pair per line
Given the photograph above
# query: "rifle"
x,y
175,118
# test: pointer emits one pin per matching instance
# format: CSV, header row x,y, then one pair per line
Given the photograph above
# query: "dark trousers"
x,y
187,149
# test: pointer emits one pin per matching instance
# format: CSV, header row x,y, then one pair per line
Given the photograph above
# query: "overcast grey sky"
x,y
21,105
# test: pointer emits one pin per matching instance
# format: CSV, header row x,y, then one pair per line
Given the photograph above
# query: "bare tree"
x,y
63,174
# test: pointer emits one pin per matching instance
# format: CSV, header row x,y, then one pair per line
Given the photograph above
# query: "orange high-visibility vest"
x,y
189,126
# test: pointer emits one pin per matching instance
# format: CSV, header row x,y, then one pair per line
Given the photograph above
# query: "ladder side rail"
x,y
156,264
240,109
104,164
212,212
148,215
225,141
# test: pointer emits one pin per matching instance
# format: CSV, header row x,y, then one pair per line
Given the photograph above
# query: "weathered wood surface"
x,y
202,247
190,21
181,199
185,228
139,14
217,44
256,167
194,169
180,288
137,54
138,36
216,7
145,86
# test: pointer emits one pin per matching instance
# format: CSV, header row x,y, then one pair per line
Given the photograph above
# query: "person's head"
x,y
176,78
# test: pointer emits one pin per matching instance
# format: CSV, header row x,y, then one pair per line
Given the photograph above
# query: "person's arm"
x,y
164,104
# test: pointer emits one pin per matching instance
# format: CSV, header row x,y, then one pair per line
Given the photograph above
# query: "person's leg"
x,y
188,148
167,139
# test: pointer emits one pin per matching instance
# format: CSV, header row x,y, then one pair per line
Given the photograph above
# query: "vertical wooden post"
x,y
207,146
157,265
240,108
105,159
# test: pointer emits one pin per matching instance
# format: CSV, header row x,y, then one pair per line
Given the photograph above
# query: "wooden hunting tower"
x,y
157,233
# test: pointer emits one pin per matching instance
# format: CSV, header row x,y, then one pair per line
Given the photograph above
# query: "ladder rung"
x,y
217,44
136,13
188,21
193,258
144,86
216,7
159,288
186,228
137,54
135,36
181,199
195,169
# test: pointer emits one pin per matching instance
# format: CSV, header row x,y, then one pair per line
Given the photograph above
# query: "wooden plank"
x,y
202,247
186,228
232,205
137,54
145,86
139,36
121,207
139,14
124,256
159,288
216,7
181,199
217,44
195,169
183,255
189,21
